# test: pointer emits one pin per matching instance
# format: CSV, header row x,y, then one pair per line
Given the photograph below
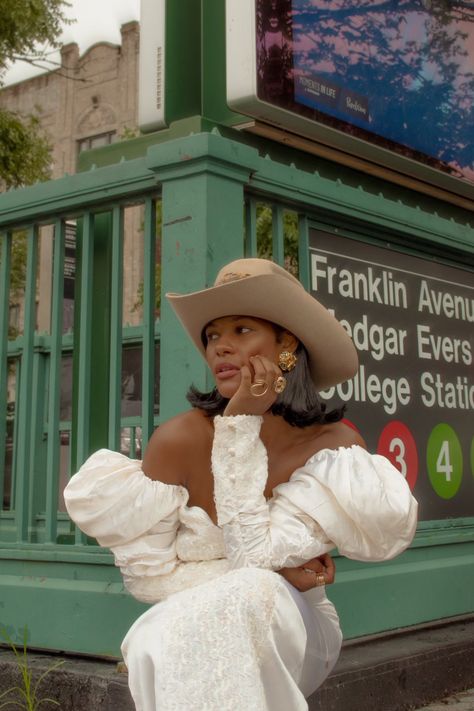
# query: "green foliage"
x,y
127,133
29,29
18,264
290,236
17,274
139,297
25,696
28,24
25,152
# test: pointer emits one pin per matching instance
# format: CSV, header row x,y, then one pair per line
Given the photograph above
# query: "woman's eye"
x,y
243,329
211,336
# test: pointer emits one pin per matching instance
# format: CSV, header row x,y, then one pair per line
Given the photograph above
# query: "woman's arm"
x,y
345,498
256,533
137,515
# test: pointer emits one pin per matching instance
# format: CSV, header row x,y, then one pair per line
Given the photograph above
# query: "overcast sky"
x,y
97,20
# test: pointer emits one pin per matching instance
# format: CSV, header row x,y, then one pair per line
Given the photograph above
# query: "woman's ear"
x,y
289,342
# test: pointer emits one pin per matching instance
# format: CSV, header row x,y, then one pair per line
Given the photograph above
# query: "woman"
x,y
227,523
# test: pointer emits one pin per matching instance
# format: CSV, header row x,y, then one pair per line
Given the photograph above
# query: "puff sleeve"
x,y
112,500
345,498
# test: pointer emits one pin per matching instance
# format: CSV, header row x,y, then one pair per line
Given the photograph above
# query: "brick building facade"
x,y
89,101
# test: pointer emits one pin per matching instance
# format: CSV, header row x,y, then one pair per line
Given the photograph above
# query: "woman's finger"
x,y
245,377
260,372
324,564
315,565
330,566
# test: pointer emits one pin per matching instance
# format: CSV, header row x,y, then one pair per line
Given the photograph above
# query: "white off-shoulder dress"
x,y
225,632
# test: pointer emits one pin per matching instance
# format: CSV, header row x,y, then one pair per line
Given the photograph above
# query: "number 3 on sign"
x,y
444,460
397,443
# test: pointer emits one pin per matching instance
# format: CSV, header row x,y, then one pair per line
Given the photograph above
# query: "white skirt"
x,y
246,640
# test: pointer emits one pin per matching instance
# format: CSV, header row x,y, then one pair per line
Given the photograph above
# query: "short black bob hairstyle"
x,y
299,404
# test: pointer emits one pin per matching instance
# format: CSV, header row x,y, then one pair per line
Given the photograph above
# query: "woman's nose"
x,y
224,345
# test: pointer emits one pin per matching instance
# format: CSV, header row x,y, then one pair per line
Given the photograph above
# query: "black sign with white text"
x,y
412,322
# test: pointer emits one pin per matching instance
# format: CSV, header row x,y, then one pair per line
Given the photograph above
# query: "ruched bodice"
x,y
198,538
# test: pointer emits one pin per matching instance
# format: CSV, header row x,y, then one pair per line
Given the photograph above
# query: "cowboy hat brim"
x,y
283,301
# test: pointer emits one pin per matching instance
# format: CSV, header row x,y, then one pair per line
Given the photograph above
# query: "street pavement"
x,y
462,701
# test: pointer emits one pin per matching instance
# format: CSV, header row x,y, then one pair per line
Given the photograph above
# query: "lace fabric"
x,y
218,647
346,498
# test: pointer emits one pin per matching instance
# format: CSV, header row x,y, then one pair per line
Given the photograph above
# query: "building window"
x,y
101,139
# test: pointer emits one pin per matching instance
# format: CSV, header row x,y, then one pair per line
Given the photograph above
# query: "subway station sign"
x,y
412,322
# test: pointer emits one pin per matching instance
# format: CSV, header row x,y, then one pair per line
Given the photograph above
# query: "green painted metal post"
x,y
82,339
4,316
92,336
203,178
54,388
116,297
100,332
148,346
38,446
251,247
303,251
25,414
278,235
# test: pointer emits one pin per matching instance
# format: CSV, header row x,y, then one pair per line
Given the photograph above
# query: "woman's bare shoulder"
x,y
172,446
338,434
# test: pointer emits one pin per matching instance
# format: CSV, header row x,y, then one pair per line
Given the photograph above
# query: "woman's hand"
x,y
261,372
305,576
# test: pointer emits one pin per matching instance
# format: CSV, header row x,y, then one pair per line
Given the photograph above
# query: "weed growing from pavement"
x,y
25,696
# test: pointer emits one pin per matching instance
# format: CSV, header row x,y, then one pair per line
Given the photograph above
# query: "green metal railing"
x,y
31,364
219,200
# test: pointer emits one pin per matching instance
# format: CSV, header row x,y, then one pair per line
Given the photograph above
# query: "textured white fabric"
x,y
347,498
229,634
247,640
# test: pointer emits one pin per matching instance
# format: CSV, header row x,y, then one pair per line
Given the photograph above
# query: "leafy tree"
x,y
24,150
290,236
29,29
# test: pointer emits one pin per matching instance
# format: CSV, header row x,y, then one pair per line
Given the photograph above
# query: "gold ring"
x,y
320,579
280,384
254,388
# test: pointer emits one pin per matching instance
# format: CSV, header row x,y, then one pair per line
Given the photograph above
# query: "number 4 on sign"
x,y
443,463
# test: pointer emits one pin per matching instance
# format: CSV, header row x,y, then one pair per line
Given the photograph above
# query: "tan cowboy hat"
x,y
261,288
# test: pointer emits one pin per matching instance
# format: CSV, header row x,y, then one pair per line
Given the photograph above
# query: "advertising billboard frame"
x,y
299,131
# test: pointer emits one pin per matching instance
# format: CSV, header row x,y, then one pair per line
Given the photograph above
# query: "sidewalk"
x,y
404,672
463,701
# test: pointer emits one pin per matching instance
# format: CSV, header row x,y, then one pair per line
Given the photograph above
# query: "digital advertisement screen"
x,y
397,74
412,400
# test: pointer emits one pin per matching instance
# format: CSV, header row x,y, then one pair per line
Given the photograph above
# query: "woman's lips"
x,y
225,372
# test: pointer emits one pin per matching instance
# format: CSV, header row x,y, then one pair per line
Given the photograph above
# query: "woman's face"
x,y
231,341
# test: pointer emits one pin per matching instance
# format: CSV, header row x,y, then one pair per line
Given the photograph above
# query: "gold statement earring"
x,y
287,361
